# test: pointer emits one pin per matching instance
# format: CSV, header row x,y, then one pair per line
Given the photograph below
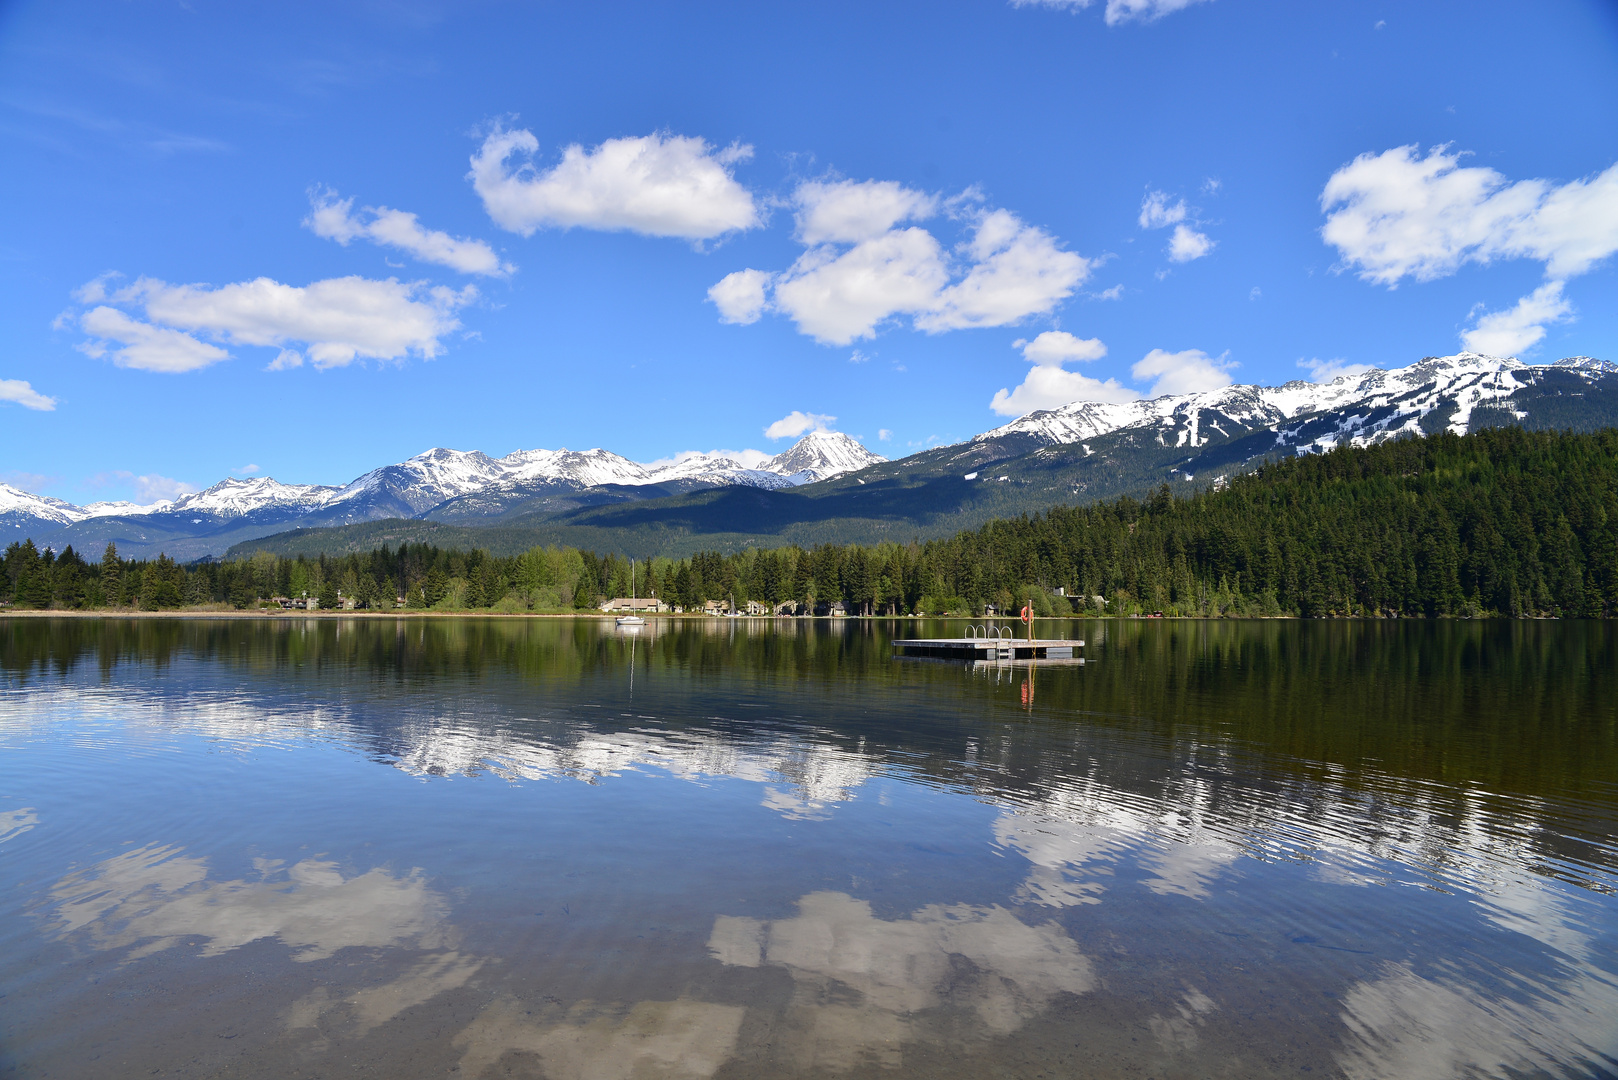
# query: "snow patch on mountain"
x,y
431,478
125,508
717,470
427,479
1381,403
232,497
18,506
592,468
821,455
24,509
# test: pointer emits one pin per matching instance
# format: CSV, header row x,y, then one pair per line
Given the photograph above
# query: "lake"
x,y
751,848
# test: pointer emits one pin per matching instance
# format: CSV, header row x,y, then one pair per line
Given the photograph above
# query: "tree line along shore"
x,y
1502,522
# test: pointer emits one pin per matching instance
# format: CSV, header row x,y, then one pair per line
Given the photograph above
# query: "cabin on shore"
x,y
634,605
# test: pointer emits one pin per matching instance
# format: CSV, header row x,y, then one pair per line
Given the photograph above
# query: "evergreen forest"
x,y
1502,522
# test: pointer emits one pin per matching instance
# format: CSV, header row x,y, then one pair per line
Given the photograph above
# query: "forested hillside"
x,y
1501,522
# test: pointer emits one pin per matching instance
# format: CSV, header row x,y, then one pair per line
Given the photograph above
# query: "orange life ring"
x,y
1027,614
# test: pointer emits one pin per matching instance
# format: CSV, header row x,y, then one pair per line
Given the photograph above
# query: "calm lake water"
x,y
551,848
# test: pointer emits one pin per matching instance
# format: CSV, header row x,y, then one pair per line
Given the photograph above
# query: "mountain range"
x,y
439,485
828,487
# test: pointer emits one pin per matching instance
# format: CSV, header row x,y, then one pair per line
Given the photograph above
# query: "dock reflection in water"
x,y
432,847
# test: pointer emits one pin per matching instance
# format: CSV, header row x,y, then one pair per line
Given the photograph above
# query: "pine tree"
x,y
111,575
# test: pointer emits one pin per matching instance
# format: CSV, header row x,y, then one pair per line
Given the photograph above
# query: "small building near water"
x,y
634,605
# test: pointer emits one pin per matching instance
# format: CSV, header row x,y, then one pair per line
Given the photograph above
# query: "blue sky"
x,y
306,240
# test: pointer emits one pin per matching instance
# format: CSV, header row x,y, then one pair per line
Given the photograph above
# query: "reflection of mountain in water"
x,y
1191,744
1119,842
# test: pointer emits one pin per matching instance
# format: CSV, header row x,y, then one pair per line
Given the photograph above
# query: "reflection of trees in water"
x,y
1529,708
1443,745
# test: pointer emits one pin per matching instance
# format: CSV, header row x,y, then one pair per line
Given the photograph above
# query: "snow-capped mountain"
x,y
1376,404
19,509
123,506
590,468
232,498
441,483
24,510
1079,452
821,455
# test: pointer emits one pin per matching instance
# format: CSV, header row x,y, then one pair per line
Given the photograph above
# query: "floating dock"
x,y
990,648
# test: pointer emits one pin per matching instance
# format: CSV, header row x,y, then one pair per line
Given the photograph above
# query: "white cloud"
x,y
884,434
657,185
336,321
740,297
249,470
1018,271
847,212
795,423
1059,346
1049,385
1157,212
1114,293
862,268
91,292
145,347
285,360
1117,11
21,393
1183,372
749,459
333,218
1324,371
840,297
1512,332
1121,11
36,483
1187,244
1395,215
151,488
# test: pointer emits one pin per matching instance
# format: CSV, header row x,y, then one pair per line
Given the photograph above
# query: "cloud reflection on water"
x,y
155,898
1402,1026
863,987
670,1040
372,1006
862,983
1193,797
13,823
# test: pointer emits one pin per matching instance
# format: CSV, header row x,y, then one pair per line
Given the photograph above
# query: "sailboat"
x,y
631,619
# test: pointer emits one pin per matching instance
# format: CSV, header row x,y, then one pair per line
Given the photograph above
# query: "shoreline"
x,y
285,616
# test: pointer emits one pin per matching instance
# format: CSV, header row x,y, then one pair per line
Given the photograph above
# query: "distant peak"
x,y
821,455
1587,363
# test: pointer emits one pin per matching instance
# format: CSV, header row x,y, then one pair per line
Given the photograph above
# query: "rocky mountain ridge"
x,y
465,482
828,486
